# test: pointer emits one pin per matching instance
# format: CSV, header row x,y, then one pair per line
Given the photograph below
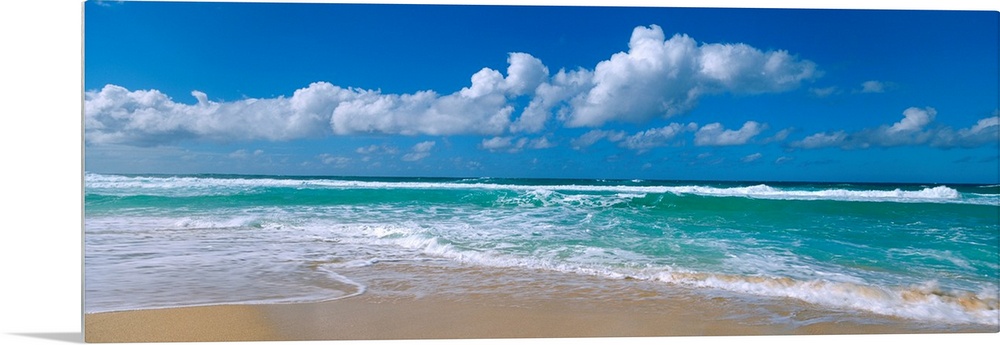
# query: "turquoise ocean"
x,y
927,253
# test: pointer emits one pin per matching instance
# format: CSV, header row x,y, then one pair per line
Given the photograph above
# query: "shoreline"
x,y
596,255
405,302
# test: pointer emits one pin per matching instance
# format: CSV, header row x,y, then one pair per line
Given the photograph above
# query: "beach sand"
x,y
427,318
408,302
365,318
211,323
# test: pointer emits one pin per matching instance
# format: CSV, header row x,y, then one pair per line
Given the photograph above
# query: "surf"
x,y
189,186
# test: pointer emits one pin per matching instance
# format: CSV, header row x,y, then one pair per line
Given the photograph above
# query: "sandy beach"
x,y
367,319
523,308
364,318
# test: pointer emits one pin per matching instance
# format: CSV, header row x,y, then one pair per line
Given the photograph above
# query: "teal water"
x,y
924,252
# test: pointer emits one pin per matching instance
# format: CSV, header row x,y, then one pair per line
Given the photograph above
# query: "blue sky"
x,y
510,91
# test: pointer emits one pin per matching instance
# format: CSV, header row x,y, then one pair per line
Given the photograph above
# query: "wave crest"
x,y
128,185
925,302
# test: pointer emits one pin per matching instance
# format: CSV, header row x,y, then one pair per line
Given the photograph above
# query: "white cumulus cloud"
x,y
509,144
714,134
484,107
503,144
552,95
376,150
148,117
913,119
985,131
819,140
661,77
524,74
915,128
656,77
593,136
419,151
656,137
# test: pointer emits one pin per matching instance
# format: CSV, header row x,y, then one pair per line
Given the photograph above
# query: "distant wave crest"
x,y
212,185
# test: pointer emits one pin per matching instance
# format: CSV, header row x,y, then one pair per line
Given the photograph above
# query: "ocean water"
x,y
923,252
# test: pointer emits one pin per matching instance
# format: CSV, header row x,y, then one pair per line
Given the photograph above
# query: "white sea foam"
x,y
167,261
195,185
925,302
933,194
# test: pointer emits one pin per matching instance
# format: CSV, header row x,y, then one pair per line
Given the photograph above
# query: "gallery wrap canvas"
x,y
331,171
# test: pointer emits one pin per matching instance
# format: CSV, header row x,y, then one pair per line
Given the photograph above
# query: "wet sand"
x,y
404,301
365,318
369,318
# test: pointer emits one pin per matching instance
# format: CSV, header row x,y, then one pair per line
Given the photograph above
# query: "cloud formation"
x,y
376,149
656,137
872,86
481,108
593,136
824,92
503,144
751,157
510,145
337,161
655,78
714,134
148,117
913,129
819,140
661,78
419,151
914,119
